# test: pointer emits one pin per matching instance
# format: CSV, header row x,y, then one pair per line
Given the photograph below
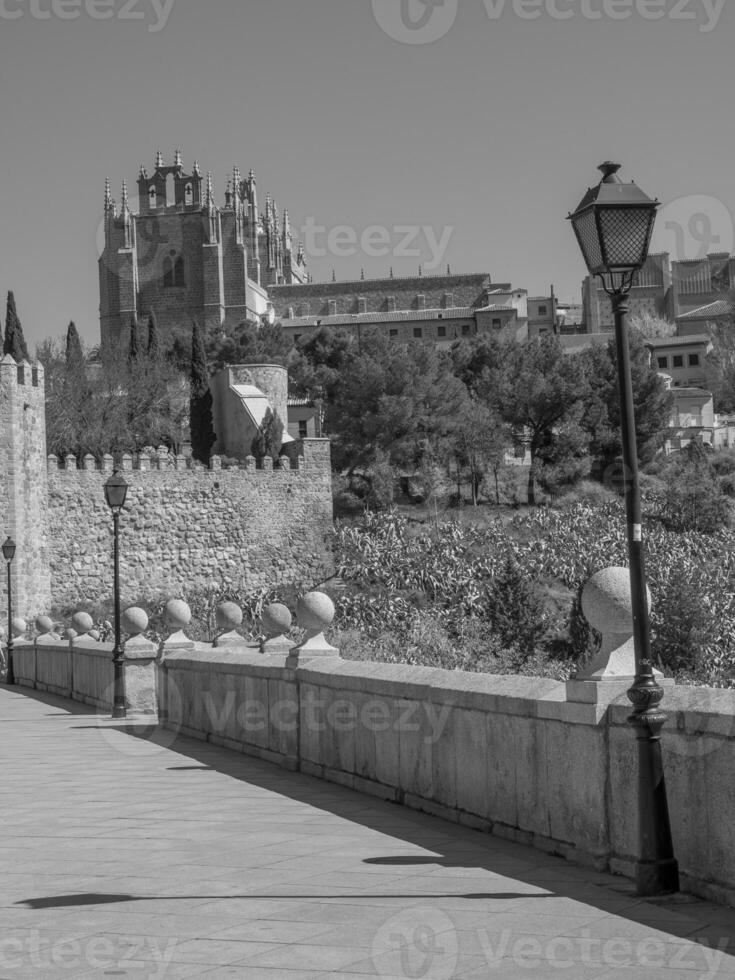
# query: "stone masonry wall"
x,y
182,529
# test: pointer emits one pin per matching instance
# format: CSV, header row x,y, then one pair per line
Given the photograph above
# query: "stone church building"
x,y
188,257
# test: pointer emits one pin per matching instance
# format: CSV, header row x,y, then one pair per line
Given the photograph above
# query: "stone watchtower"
x,y
186,257
23,487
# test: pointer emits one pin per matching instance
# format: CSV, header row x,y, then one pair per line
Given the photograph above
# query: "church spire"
x,y
124,198
108,196
177,158
159,160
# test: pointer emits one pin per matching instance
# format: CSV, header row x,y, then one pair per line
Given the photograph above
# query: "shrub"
x,y
516,609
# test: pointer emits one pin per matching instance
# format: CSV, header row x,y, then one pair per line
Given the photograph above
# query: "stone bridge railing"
x,y
531,759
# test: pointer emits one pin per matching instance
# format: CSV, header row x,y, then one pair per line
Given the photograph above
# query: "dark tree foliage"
x,y
248,341
106,404
474,360
536,389
269,438
694,500
200,405
14,343
153,344
652,403
134,349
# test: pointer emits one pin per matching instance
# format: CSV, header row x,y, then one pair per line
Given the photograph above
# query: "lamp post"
x,y
115,492
613,224
8,555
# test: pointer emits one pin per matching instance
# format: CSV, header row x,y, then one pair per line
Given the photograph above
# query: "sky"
x,y
398,133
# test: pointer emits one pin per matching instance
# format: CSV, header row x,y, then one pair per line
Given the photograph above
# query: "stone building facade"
x,y
186,257
182,527
441,309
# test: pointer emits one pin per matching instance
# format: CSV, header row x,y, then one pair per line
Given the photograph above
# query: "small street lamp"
x,y
613,225
8,555
115,492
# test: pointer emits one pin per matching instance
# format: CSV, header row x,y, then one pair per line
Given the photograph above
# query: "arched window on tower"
x,y
179,272
170,191
189,195
168,272
152,197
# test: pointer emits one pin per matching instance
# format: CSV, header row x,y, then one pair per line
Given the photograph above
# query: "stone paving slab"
x,y
129,852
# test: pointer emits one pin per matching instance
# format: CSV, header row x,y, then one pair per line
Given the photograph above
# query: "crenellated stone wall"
x,y
183,529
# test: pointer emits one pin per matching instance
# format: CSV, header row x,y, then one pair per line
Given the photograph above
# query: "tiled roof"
x,y
660,342
712,311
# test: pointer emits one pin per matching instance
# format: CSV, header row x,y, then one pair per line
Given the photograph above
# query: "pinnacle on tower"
x,y
362,274
391,272
210,190
197,171
228,194
334,275
159,160
124,197
108,195
177,158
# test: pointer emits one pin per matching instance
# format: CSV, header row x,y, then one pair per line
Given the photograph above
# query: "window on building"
x,y
302,429
542,310
168,272
418,332
465,329
694,360
189,195
496,324
296,338
152,197
677,361
663,362
173,271
394,333
441,331
170,191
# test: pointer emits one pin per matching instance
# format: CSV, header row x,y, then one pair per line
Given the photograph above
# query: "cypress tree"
x,y
74,354
134,350
200,402
269,438
153,347
14,344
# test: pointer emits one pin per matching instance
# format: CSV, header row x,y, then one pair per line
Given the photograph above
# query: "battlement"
x,y
21,373
314,455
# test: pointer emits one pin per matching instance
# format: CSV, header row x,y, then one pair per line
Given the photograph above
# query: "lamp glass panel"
x,y
586,228
625,235
9,550
115,492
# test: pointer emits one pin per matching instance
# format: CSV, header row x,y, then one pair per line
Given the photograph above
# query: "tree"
x,y
479,438
15,343
107,406
693,498
536,389
269,438
153,346
200,403
650,326
134,350
393,398
652,402
720,364
248,341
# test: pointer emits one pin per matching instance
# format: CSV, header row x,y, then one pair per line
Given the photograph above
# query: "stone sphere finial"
x,y
19,627
276,619
134,621
44,625
177,614
82,623
607,603
315,611
229,616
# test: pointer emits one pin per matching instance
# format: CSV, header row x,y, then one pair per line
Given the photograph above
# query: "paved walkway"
x,y
141,856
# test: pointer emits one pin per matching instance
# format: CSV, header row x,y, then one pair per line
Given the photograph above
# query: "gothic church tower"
x,y
186,257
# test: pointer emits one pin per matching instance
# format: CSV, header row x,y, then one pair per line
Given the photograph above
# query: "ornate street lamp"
x,y
115,492
8,555
613,225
